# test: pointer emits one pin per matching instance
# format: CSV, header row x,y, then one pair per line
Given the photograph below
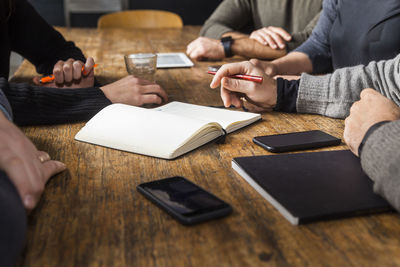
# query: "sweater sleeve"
x,y
229,16
380,160
317,47
298,38
37,41
333,94
5,106
35,105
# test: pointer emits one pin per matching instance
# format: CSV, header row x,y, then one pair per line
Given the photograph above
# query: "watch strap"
x,y
227,44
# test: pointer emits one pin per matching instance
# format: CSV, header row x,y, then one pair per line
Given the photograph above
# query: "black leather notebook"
x,y
307,187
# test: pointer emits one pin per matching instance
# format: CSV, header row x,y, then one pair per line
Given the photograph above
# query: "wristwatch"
x,y
227,44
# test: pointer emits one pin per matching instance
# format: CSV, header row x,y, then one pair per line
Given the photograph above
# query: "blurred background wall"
x,y
191,11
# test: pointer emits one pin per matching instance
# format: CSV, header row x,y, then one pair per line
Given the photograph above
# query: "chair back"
x,y
145,19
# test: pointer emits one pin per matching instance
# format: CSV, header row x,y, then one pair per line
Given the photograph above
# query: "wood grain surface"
x,y
92,215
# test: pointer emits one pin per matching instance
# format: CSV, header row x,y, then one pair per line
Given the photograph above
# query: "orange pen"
x,y
50,78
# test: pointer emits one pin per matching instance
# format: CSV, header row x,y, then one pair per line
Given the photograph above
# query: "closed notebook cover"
x,y
307,187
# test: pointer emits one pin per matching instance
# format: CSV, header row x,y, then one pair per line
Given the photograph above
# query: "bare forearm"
x,y
246,47
252,49
293,64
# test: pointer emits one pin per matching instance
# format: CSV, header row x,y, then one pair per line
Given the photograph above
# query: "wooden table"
x,y
92,215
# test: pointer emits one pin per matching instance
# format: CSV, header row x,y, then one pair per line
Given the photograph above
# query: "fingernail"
x,y
28,201
273,46
61,164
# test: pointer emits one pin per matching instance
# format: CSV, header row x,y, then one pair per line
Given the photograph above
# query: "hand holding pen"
x,y
253,89
69,74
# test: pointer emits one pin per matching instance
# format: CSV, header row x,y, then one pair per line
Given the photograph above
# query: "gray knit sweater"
x,y
298,17
333,94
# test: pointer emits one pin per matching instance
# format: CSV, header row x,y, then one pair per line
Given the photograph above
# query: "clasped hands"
x,y
128,90
209,48
369,110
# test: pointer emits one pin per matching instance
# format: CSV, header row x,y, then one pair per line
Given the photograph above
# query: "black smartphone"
x,y
184,201
296,141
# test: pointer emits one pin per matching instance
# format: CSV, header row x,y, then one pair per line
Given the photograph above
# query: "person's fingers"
x,y
277,39
151,99
144,82
237,85
36,80
67,69
190,47
43,156
368,92
230,98
259,38
225,96
21,178
281,32
352,147
77,69
51,168
88,67
188,51
155,89
228,70
270,41
197,53
58,72
355,107
348,122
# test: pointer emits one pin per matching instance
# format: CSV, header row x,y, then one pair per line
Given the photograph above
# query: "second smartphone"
x,y
183,200
296,141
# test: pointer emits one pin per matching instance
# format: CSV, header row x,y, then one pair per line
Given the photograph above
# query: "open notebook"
x,y
165,132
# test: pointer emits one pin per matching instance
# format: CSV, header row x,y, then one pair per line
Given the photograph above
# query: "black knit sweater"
x,y
26,33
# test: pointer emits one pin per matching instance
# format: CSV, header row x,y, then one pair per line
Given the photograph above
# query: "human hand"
x,y
254,96
267,66
204,47
28,168
275,37
134,91
69,74
370,109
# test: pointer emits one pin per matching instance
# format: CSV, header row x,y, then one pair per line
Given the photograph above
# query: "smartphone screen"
x,y
184,200
296,141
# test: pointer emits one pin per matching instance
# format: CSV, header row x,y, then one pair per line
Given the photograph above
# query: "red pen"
x,y
48,79
253,78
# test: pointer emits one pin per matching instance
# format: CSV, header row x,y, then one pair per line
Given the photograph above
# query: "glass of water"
x,y
142,65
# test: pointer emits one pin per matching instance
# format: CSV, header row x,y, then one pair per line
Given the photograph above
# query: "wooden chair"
x,y
144,19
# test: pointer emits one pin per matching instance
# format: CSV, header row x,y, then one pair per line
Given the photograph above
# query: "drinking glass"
x,y
142,65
